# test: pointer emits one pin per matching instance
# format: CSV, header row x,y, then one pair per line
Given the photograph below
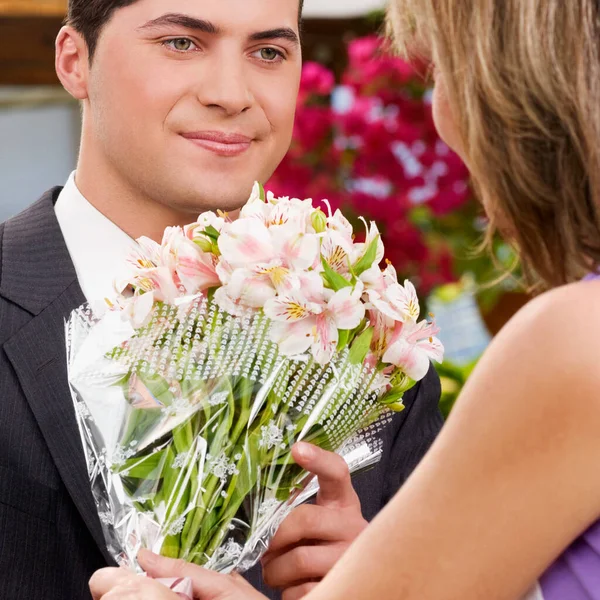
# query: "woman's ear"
x,y
72,62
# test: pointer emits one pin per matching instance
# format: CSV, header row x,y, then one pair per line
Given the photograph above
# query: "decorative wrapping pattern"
x,y
188,423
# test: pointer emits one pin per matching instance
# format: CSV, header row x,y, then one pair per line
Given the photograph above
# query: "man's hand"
x,y
314,537
121,584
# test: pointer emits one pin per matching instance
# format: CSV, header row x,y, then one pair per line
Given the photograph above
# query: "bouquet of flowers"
x,y
233,340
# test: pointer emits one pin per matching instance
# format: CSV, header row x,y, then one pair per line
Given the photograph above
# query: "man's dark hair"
x,y
88,17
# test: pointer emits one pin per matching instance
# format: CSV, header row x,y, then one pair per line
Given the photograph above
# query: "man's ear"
x,y
72,62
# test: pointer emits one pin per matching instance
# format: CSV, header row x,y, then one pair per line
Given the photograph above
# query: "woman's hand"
x,y
121,584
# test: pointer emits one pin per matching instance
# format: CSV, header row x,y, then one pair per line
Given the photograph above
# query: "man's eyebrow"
x,y
181,20
282,33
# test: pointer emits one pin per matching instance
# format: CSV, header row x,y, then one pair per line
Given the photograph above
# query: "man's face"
x,y
191,101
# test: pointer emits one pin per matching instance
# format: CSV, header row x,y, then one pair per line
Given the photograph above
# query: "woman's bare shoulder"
x,y
552,344
571,302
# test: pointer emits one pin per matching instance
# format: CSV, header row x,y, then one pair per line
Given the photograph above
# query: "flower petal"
x,y
336,250
249,289
147,251
373,279
412,308
433,348
224,270
403,301
292,307
293,337
390,274
372,233
280,276
414,332
311,286
245,242
408,357
196,269
383,327
224,302
325,342
139,310
346,309
297,250
255,208
384,306
340,224
210,219
165,284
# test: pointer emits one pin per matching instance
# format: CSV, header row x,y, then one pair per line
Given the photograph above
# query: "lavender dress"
x,y
575,575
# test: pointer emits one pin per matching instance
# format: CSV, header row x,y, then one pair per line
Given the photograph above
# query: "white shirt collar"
x,y
97,246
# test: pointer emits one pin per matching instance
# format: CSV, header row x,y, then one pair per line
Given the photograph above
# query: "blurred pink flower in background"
x,y
369,146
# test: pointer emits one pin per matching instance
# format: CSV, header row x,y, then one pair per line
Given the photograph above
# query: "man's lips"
x,y
219,142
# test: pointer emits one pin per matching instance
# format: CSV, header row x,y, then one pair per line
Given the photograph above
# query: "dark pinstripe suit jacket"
x,y
50,536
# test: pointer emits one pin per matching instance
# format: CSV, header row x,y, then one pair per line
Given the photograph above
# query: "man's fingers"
x,y
303,563
335,485
299,591
315,523
103,581
208,585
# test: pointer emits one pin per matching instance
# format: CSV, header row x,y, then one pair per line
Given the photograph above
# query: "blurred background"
x,y
364,140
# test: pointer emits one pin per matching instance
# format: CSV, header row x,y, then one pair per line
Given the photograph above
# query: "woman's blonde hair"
x,y
523,82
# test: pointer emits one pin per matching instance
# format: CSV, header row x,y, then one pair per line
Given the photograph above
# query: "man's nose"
x,y
225,85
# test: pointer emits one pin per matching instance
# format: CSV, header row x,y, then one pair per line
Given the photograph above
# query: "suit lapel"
x,y
38,274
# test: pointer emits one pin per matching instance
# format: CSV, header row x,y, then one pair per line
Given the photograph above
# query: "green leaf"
x,y
211,232
367,259
361,346
261,190
392,396
333,279
148,467
344,336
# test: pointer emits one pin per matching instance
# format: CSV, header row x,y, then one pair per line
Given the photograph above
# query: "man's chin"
x,y
217,197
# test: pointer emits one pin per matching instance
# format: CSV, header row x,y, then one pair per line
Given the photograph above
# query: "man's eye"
x,y
180,44
270,55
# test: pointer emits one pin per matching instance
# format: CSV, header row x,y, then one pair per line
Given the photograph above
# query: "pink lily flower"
x,y
264,261
299,324
412,347
195,268
192,269
383,329
281,211
150,275
398,302
376,279
338,222
337,251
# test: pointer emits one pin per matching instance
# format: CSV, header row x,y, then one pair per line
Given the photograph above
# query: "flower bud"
x,y
319,221
204,243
